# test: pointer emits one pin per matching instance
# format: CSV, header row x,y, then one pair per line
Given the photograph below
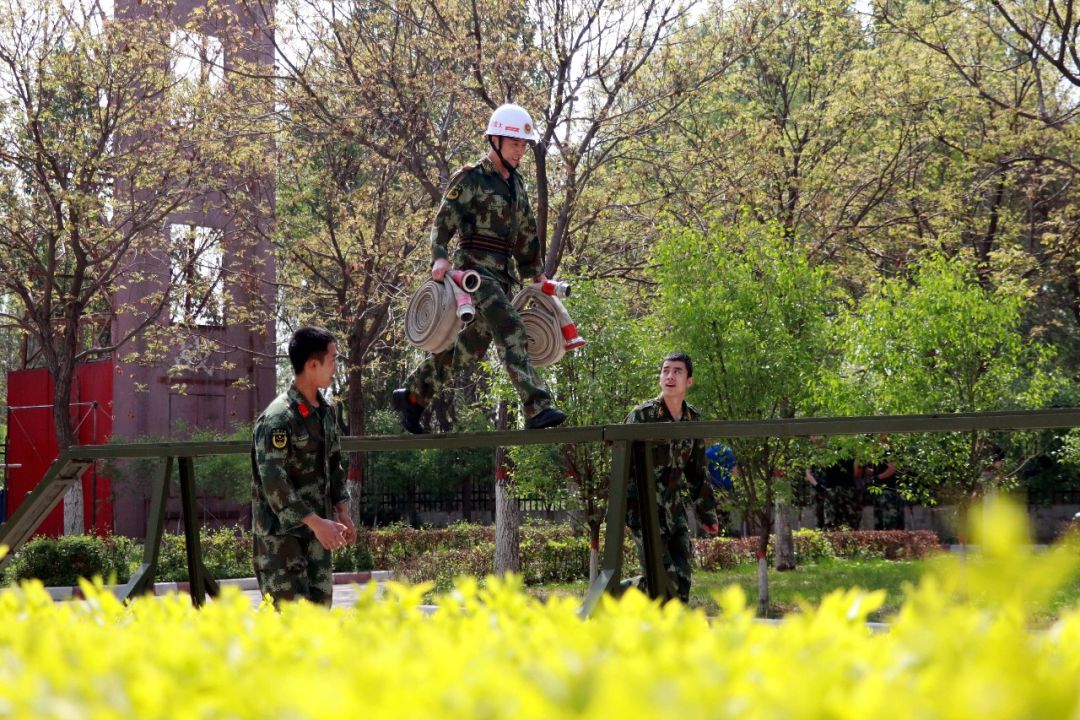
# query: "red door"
x,y
31,441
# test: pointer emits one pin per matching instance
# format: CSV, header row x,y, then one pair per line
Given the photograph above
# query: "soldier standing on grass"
x,y
299,503
487,206
681,472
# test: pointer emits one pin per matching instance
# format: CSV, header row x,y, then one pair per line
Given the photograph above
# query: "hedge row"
x,y
226,554
565,558
549,553
63,561
815,546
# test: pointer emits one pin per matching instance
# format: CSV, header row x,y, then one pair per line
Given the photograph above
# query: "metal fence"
x,y
462,502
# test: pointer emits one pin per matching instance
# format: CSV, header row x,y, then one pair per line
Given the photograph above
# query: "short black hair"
x,y
306,343
682,357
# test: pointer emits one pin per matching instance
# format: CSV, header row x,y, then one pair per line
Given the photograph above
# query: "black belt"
x,y
485,244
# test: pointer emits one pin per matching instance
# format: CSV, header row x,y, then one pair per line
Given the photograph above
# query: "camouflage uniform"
x,y
296,471
493,224
680,469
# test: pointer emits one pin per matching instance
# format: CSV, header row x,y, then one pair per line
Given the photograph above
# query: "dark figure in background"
x,y
889,504
722,471
843,495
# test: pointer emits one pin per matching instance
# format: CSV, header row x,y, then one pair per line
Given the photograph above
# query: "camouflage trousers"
x,y
496,319
676,554
290,567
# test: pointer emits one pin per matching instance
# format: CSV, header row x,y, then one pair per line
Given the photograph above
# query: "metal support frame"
x,y
142,581
625,457
657,580
200,581
20,527
607,580
65,472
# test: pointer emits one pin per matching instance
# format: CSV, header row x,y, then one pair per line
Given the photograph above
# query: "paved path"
x,y
346,587
344,595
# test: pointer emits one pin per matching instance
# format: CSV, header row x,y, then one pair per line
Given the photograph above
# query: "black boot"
x,y
548,417
410,411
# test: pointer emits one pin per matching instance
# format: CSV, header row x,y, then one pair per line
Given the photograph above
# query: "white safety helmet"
x,y
511,120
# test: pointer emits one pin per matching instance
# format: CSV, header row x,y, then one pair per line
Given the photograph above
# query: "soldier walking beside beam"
x,y
487,206
299,502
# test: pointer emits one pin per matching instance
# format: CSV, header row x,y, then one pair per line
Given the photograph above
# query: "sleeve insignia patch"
x,y
279,439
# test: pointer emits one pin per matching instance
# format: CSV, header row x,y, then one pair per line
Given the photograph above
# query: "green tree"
x,y
439,473
802,129
942,342
755,315
994,84
1070,448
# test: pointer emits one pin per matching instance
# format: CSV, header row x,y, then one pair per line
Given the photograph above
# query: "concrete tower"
x,y
221,372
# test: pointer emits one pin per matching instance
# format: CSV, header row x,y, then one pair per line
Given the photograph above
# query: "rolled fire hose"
x,y
550,329
438,310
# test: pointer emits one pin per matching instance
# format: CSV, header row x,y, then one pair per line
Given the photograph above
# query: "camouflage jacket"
x,y
296,465
478,205
679,465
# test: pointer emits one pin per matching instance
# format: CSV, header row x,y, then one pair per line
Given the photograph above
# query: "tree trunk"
x,y
74,501
74,509
763,572
507,516
785,541
594,550
542,197
357,421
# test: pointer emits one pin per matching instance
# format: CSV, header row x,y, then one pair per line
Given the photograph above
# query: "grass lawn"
x,y
811,582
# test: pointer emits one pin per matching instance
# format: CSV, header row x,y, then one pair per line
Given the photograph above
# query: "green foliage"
x,y
224,476
818,546
62,561
943,342
549,554
1070,448
397,543
354,558
219,476
753,313
226,554
812,546
755,316
959,645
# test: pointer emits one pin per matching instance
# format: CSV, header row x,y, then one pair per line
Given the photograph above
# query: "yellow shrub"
x,y
961,647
